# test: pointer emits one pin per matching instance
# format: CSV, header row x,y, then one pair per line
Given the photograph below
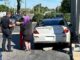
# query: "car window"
x,y
51,22
61,22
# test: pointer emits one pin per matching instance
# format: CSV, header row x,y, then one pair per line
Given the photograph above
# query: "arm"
x,y
11,25
19,23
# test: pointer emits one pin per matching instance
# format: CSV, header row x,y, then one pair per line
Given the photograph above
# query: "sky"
x,y
30,3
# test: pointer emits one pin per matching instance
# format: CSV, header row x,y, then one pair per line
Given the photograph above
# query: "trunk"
x,y
18,6
50,30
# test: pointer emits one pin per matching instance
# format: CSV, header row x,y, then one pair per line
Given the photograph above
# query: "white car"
x,y
51,31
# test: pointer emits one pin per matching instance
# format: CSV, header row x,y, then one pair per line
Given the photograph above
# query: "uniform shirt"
x,y
5,22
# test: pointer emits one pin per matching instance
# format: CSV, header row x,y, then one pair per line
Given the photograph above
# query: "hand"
x,y
18,23
14,25
11,25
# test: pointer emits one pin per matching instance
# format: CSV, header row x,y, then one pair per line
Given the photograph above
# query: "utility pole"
x,y
18,6
25,6
6,3
74,13
75,18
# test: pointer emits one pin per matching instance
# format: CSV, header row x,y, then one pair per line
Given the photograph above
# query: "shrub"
x,y
37,17
67,17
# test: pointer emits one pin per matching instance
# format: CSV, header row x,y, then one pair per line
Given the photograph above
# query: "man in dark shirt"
x,y
6,30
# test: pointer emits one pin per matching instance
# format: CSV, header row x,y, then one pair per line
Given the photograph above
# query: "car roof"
x,y
16,16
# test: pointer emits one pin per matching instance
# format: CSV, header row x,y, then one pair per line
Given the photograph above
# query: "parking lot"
x,y
55,37
35,54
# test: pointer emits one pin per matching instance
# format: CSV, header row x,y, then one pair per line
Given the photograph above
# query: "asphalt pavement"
x,y
18,54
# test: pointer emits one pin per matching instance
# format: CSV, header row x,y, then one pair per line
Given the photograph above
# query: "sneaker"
x,y
26,50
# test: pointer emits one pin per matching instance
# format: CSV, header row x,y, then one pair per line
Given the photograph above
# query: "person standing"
x,y
26,31
6,26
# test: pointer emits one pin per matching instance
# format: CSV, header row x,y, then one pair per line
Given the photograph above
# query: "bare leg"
x,y
29,46
26,45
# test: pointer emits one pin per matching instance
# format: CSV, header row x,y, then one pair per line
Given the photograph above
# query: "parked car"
x,y
53,30
16,17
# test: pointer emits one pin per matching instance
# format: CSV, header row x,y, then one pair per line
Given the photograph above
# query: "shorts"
x,y
26,36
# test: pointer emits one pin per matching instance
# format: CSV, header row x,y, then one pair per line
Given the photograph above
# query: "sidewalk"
x,y
76,52
76,55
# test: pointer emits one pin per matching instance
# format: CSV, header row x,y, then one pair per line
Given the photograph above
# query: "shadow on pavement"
x,y
0,55
0,49
70,52
57,48
16,40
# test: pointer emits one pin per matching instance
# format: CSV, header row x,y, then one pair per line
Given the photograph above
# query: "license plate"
x,y
49,38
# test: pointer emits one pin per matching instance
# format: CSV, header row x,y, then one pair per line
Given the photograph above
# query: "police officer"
x,y
6,30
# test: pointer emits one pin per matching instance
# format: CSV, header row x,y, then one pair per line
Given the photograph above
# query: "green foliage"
x,y
67,17
12,10
66,6
4,8
38,9
58,8
49,15
37,17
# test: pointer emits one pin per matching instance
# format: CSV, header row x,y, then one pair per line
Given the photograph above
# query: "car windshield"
x,y
51,22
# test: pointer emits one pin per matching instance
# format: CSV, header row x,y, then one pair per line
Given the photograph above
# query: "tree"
x,y
66,6
4,8
49,15
18,6
12,10
39,9
37,17
58,9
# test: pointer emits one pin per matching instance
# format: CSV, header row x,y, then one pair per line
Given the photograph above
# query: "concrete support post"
x,y
74,18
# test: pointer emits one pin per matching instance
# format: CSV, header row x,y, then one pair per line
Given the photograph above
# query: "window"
x,y
51,22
